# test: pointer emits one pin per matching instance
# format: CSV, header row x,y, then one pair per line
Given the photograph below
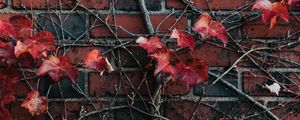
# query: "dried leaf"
x,y
274,88
35,104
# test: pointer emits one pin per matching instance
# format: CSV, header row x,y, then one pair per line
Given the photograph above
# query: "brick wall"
x,y
78,25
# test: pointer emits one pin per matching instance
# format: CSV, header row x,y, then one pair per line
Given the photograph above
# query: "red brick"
x,y
28,4
138,56
289,111
175,88
168,23
257,29
139,27
288,56
106,84
57,110
214,4
254,83
182,110
131,5
215,56
70,4
55,4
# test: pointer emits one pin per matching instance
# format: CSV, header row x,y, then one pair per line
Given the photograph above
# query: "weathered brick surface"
x,y
257,29
126,25
57,110
289,111
215,56
131,5
254,83
218,89
111,84
178,110
213,4
36,4
67,26
60,4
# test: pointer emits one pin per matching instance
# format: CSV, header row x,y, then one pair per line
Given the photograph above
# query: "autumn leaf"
x,y
163,60
271,11
95,61
193,73
183,39
7,55
150,44
292,2
209,28
8,78
37,46
6,30
58,69
22,26
4,113
35,104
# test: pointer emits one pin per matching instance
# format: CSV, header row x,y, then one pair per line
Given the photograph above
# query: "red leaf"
x,y
7,55
58,69
151,45
4,113
95,61
37,46
193,73
292,2
183,40
208,28
270,11
22,26
35,103
163,61
8,78
6,30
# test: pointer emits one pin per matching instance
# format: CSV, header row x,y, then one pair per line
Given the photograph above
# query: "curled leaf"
x,y
274,88
150,44
208,28
58,69
183,39
35,103
95,61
